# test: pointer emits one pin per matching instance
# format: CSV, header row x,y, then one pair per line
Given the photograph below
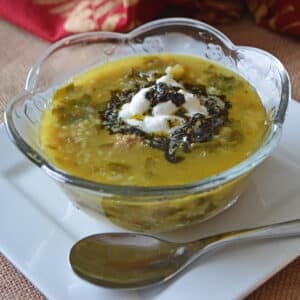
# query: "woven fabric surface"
x,y
13,285
19,50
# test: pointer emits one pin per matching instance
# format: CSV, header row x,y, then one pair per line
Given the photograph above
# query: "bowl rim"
x,y
170,190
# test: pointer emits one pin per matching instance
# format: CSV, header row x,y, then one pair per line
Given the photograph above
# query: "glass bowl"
x,y
161,208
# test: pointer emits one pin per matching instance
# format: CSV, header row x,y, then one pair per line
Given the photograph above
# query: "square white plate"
x,y
38,226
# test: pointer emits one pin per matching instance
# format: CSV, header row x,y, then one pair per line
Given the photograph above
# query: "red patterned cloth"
x,y
54,19
279,15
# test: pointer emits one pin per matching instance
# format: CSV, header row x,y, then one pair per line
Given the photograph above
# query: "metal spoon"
x,y
132,260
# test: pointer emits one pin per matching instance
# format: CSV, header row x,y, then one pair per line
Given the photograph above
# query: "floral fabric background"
x,y
54,19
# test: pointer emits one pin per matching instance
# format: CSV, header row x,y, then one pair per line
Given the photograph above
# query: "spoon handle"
x,y
277,230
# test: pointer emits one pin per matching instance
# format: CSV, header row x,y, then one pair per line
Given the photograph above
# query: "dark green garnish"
x,y
196,129
196,89
163,93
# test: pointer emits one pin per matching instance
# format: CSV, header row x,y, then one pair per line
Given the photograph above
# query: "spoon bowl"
x,y
132,260
127,260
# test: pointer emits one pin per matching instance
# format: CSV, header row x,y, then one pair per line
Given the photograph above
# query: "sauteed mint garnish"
x,y
167,114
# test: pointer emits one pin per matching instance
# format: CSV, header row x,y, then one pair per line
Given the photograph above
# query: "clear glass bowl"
x,y
151,209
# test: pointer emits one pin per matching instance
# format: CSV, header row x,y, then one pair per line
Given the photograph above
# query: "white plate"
x,y
38,226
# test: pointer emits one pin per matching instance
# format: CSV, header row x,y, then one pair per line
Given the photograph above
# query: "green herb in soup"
x,y
153,120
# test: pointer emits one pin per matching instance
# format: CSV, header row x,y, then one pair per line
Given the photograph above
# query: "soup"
x,y
153,120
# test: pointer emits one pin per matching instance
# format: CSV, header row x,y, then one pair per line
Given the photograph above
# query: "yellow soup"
x,y
76,136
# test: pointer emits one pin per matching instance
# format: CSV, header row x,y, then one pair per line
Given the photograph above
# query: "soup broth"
x,y
90,132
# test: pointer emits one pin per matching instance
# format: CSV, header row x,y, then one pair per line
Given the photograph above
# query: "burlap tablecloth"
x,y
18,51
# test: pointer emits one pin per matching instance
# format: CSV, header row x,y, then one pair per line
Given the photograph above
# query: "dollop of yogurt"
x,y
161,118
138,105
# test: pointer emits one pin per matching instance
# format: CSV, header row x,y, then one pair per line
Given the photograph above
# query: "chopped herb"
x,y
118,167
198,90
224,84
163,93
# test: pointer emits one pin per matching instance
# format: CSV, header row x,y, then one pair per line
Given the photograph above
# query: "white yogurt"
x,y
139,104
161,118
